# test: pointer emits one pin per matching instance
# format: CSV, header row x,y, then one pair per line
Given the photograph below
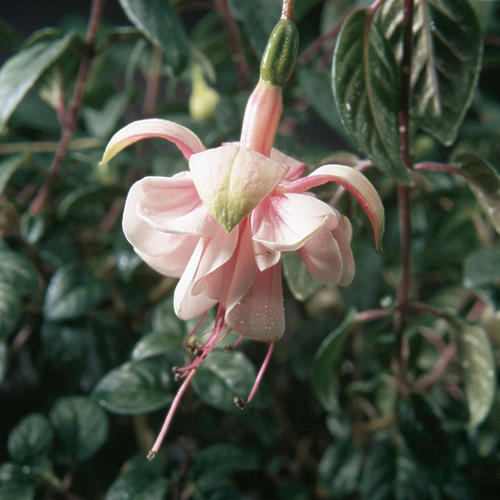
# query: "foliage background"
x,y
353,405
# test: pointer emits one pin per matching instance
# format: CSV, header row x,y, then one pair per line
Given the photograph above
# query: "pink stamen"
x,y
195,329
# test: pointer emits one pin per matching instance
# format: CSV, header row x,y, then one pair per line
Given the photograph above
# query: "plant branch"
x,y
70,117
235,43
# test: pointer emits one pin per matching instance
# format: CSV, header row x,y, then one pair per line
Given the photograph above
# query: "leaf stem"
x,y
287,10
70,117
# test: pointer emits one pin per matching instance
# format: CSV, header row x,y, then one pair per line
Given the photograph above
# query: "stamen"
x,y
240,403
195,329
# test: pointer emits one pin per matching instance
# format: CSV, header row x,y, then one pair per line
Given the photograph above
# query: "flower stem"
x,y
69,121
287,10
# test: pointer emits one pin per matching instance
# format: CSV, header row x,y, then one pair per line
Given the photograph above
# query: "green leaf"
x,y
10,309
478,366
140,479
159,344
298,278
222,376
63,345
422,431
481,273
340,468
71,293
80,427
218,462
102,122
159,23
379,472
30,439
22,70
16,270
447,49
487,189
33,227
366,90
317,89
8,166
4,359
14,490
134,388
326,364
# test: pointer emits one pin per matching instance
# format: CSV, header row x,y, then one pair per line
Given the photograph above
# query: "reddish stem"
x,y
70,117
287,10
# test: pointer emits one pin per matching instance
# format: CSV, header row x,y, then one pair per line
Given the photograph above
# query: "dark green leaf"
x,y
71,293
17,271
340,468
298,278
135,387
86,195
102,122
482,271
422,431
10,309
446,62
30,439
326,364
14,490
63,344
487,189
159,344
159,23
220,461
222,376
33,227
140,479
4,359
366,89
22,70
379,472
8,166
478,365
80,427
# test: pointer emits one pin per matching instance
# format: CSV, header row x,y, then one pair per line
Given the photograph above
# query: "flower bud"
x,y
203,99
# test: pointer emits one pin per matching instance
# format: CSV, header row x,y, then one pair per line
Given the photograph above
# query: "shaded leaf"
x,y
4,358
159,344
422,431
133,388
487,189
33,227
366,90
22,70
159,23
14,490
80,427
298,278
140,479
478,365
63,345
222,376
447,48
30,439
340,468
481,273
326,364
7,168
71,293
16,270
379,472
102,122
10,309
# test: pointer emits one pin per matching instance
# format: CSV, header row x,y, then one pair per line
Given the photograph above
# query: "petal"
x,y
259,314
187,141
342,234
186,305
356,183
323,257
265,257
172,205
295,167
285,221
232,180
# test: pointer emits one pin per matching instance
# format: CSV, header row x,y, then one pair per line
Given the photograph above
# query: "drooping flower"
x,y
222,226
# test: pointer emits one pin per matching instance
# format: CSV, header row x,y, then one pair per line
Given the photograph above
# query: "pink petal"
x,y
295,167
285,221
342,234
322,257
355,182
182,137
190,297
259,314
232,180
172,205
265,257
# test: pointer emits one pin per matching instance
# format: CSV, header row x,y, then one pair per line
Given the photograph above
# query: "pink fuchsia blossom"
x,y
222,226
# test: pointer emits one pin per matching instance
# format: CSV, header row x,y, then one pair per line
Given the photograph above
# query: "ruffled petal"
x,y
259,313
352,180
172,205
187,141
285,221
323,258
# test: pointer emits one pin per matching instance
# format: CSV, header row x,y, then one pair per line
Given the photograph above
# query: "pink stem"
x,y
261,372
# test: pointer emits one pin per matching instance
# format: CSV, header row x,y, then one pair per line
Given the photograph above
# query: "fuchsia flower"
x,y
222,226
